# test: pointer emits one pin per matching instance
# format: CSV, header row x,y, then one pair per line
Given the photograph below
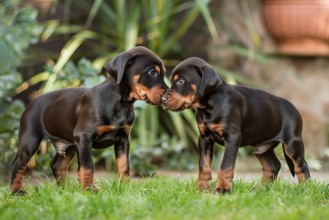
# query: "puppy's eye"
x,y
180,82
152,72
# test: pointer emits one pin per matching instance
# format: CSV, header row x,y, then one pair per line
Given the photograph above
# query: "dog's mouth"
x,y
178,103
145,99
175,105
157,98
179,109
151,98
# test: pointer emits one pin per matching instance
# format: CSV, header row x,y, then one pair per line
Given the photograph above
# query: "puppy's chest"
x,y
115,123
112,129
213,129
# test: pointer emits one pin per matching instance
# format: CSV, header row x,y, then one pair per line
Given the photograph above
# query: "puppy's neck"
x,y
119,92
212,100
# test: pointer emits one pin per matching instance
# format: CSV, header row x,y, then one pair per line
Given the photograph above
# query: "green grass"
x,y
167,198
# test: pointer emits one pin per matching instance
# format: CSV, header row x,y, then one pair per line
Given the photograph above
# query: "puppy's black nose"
x,y
163,99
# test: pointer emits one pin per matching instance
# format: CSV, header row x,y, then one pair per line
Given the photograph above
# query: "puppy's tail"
x,y
289,162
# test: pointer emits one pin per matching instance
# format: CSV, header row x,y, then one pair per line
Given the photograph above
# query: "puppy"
x,y
79,119
236,116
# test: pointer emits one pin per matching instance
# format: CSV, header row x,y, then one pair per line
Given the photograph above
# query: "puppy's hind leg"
x,y
294,154
270,164
29,144
59,164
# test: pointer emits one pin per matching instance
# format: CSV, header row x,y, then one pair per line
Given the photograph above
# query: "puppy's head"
x,y
143,72
191,80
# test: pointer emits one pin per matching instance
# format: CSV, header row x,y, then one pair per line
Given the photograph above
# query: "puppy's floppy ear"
x,y
209,80
116,67
163,69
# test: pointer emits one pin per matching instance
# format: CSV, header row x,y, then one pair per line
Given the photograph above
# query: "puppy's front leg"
x,y
86,170
122,157
226,168
205,161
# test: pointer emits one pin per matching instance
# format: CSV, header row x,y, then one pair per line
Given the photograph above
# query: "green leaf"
x,y
203,5
93,12
70,47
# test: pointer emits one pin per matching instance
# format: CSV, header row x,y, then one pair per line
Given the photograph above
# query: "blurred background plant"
x,y
18,30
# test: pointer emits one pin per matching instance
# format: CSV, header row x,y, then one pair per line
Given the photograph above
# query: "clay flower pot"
x,y
300,27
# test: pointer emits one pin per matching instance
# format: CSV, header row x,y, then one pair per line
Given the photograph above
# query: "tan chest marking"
x,y
217,128
127,128
103,129
202,128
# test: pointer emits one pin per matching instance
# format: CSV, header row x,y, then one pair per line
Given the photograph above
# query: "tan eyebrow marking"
x,y
202,128
157,69
176,77
193,86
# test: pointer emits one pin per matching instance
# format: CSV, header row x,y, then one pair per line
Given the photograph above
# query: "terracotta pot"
x,y
300,27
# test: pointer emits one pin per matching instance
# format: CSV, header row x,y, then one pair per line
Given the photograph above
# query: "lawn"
x,y
168,198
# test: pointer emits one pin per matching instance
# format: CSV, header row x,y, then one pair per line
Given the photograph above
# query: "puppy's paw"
x,y
91,189
18,192
222,191
124,178
223,186
203,185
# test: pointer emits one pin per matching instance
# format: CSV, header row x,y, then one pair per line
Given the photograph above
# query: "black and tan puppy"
x,y
236,116
79,119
